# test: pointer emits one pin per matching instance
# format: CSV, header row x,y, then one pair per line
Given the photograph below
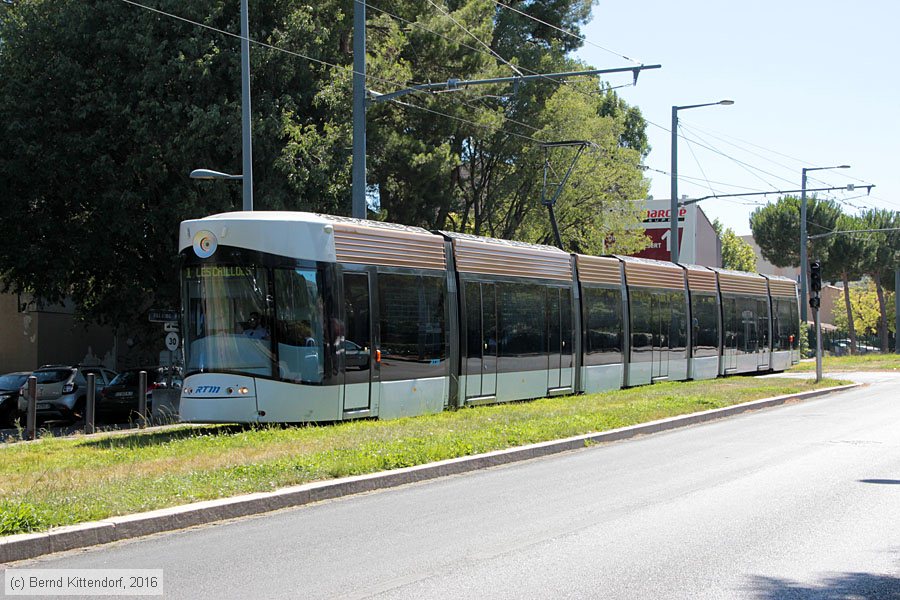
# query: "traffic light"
x,y
815,276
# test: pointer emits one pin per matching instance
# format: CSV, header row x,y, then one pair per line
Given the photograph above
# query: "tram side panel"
x,y
604,338
746,322
705,322
603,323
516,323
413,343
785,322
658,311
516,339
746,334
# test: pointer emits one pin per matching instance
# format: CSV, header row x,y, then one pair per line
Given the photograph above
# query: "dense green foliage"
x,y
736,253
845,256
881,259
865,310
776,229
106,107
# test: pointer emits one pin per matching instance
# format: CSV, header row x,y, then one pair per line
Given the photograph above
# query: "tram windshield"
x,y
255,321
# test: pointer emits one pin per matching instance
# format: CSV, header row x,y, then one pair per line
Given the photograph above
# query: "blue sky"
x,y
814,84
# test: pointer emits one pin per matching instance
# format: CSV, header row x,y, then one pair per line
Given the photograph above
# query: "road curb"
x,y
31,545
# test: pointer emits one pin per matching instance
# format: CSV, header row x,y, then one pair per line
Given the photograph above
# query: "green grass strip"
x,y
862,362
62,481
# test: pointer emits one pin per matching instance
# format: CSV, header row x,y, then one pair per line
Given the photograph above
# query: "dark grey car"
x,y
10,384
62,391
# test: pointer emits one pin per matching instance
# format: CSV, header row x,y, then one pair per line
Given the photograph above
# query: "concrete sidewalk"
x,y
31,545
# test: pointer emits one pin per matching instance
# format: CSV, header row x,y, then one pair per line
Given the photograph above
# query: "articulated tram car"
x,y
298,317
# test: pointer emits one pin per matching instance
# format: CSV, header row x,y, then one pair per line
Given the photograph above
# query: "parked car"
x,y
120,398
355,355
62,390
9,396
842,348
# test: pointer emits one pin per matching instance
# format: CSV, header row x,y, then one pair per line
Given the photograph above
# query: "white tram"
x,y
298,317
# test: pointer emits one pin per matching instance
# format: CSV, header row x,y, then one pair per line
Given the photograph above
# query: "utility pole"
x,y
246,150
815,276
673,210
896,273
358,195
804,259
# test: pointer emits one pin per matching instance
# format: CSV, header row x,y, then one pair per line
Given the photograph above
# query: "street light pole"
x,y
246,151
673,206
358,167
804,258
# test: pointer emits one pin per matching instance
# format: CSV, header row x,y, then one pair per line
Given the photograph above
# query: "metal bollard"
x,y
142,398
31,411
90,405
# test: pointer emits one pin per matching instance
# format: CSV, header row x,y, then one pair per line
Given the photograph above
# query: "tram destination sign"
x,y
162,315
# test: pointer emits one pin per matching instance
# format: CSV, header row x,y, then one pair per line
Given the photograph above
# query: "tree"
x,y
736,253
845,262
866,310
882,256
113,106
776,229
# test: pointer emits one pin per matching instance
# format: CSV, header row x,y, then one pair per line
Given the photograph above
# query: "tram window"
x,y
705,322
604,325
742,320
522,327
794,328
784,324
677,319
300,322
228,319
762,323
734,333
412,325
474,321
641,325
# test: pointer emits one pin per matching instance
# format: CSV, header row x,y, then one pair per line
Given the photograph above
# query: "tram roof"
x,y
308,217
737,273
693,267
778,278
646,272
509,243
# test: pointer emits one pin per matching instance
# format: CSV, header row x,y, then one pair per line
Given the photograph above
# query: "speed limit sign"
x,y
172,341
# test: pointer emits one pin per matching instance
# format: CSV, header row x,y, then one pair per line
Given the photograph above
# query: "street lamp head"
x,y
726,102
842,167
210,174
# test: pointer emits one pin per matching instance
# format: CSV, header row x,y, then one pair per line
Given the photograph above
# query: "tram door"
x,y
762,332
481,339
356,342
559,338
661,320
729,332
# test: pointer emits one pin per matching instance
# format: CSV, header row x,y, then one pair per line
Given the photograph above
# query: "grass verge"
x,y
62,481
863,362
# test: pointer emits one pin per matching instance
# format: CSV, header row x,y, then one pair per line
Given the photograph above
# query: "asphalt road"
x,y
799,501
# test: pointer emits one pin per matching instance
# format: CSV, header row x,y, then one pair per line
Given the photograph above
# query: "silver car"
x,y
62,391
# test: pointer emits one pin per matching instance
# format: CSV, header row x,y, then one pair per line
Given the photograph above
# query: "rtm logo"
x,y
207,389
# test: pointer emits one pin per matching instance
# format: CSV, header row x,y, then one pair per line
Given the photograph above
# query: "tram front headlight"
x,y
243,390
